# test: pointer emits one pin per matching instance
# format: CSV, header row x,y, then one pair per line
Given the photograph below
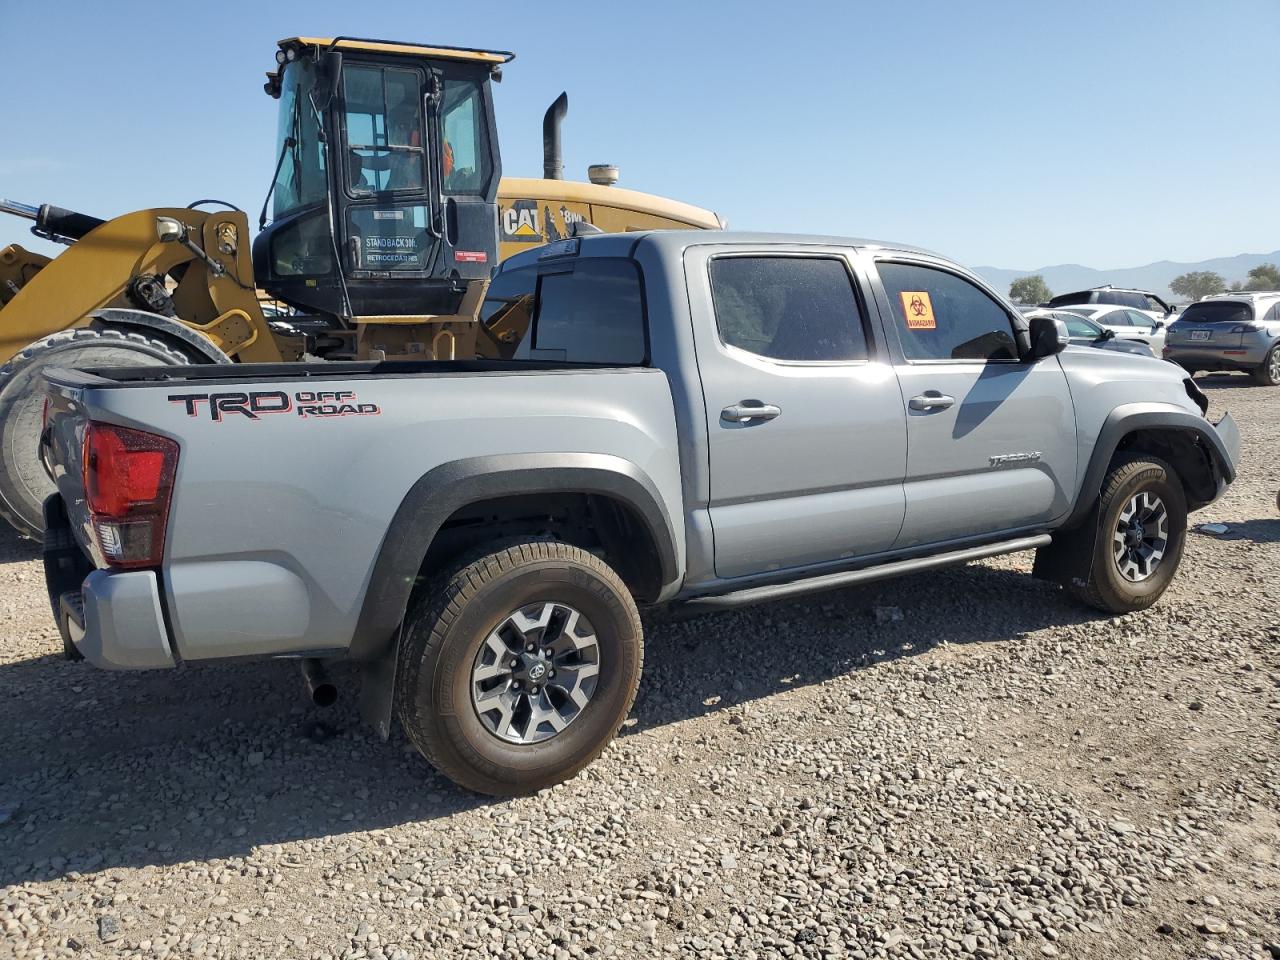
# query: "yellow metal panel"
x,y
94,271
413,49
565,191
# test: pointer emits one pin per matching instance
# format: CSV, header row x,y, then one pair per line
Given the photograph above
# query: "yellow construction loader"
x,y
385,218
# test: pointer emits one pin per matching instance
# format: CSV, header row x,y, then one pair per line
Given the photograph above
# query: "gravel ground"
x,y
997,773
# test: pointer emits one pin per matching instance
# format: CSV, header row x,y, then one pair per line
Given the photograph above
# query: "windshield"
x,y
301,180
1224,311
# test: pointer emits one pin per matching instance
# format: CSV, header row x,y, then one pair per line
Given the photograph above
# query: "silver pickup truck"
x,y
692,420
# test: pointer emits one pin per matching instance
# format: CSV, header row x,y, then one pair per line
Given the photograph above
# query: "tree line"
x,y
1193,285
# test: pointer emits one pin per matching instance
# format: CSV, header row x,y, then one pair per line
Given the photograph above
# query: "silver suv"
x,y
1229,331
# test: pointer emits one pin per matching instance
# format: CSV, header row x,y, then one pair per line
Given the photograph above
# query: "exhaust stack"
x,y
552,157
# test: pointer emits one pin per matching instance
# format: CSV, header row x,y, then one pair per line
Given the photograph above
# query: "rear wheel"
x,y
1142,524
23,482
1267,373
518,666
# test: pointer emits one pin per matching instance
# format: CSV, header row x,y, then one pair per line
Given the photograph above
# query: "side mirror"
x,y
1049,336
1159,325
169,230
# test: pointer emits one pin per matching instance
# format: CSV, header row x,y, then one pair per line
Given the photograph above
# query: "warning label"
x,y
918,309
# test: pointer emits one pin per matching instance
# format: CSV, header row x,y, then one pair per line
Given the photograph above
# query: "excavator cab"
x,y
383,208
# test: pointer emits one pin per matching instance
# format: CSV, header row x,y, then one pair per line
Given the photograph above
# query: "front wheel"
x,y
518,665
1267,373
1142,525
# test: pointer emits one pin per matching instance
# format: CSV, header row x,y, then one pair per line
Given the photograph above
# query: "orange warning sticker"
x,y
918,309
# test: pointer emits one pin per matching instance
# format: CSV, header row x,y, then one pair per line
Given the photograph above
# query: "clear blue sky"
x,y
1008,134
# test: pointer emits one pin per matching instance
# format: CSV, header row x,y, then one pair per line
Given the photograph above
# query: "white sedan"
x,y
1125,322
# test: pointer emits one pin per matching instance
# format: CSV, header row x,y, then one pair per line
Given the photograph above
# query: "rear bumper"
x,y
1246,356
123,625
112,618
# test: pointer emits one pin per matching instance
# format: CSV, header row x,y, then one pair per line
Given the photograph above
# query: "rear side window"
x,y
788,308
592,312
941,316
1224,311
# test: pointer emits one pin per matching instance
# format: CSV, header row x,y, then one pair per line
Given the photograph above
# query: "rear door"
x,y
991,443
806,431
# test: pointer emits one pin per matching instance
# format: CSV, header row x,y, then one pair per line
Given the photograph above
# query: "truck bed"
x,y
290,477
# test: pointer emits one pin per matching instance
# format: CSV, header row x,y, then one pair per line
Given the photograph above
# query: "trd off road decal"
x,y
259,403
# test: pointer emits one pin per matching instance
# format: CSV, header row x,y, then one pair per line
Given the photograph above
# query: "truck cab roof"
x,y
624,244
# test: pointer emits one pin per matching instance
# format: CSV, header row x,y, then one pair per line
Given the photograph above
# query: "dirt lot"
x,y
998,773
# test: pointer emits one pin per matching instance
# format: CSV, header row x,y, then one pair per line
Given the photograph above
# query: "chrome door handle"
x,y
931,400
749,410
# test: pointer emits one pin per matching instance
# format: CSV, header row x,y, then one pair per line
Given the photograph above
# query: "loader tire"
x,y
23,482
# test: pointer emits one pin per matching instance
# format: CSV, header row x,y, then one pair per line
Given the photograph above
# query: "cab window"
x,y
941,316
384,129
301,179
788,308
465,166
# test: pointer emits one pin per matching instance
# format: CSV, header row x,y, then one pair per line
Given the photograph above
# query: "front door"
x,y
806,430
991,442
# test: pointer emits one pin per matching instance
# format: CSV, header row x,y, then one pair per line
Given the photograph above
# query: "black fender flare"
x,y
1127,419
447,488
434,498
157,323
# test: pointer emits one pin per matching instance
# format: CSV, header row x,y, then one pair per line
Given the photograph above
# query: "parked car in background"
x,y
1229,331
1125,323
1086,333
1157,308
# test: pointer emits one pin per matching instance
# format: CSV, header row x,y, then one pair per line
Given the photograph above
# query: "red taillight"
x,y
128,481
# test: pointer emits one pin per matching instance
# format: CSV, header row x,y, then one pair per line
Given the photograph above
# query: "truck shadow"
x,y
101,770
16,549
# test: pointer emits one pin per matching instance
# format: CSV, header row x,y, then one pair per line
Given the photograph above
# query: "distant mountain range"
x,y
1068,277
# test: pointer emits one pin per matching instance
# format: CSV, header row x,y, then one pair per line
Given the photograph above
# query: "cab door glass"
x,y
384,129
389,237
788,308
465,166
940,316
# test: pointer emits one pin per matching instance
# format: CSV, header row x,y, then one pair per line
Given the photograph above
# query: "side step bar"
x,y
848,578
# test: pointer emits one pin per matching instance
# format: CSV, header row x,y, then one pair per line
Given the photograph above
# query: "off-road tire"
x,y
23,484
443,633
1105,587
1267,373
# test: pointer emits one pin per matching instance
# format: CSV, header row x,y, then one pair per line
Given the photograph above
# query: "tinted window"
x,y
1273,315
384,129
788,308
940,316
466,154
1066,299
1078,326
1223,311
1140,320
1115,318
389,237
301,178
592,313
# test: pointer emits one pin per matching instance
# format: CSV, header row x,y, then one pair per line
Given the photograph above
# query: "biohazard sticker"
x,y
918,309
